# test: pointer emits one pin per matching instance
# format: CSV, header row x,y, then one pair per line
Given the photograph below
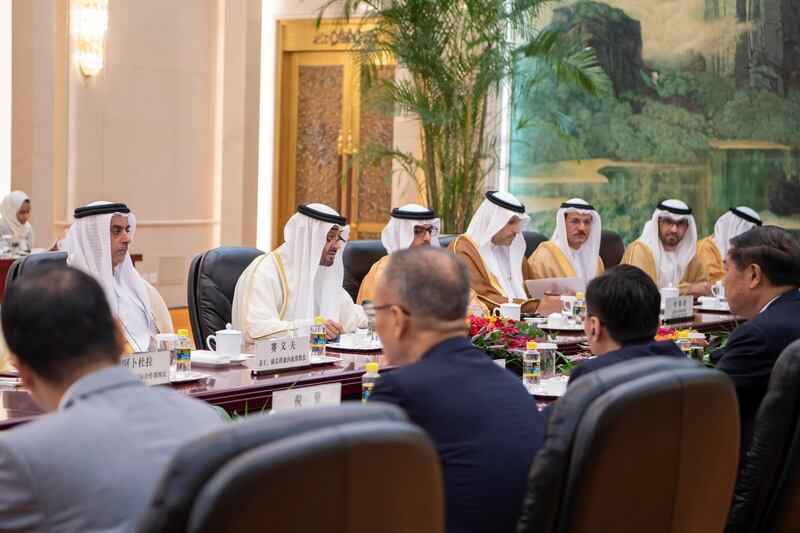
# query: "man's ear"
x,y
756,275
595,327
400,322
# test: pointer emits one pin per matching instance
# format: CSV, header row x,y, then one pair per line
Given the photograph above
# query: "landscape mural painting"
x,y
704,106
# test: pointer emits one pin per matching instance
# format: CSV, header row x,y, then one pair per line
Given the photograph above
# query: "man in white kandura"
x,y
574,250
299,280
713,248
667,248
97,243
410,225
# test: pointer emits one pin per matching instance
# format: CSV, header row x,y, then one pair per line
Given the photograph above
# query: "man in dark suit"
x,y
484,423
762,277
622,307
93,463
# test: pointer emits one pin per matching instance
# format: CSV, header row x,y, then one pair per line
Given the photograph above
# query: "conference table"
x,y
236,390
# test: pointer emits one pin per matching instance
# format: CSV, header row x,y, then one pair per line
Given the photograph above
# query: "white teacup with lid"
x,y
508,310
227,341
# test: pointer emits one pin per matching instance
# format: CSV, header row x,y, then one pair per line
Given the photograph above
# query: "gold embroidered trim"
x,y
492,280
249,288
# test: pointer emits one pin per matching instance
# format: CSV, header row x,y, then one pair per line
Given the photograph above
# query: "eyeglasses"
x,y
420,230
668,222
377,308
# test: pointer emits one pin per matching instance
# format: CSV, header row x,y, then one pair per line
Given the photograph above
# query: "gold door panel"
x,y
373,187
322,120
319,120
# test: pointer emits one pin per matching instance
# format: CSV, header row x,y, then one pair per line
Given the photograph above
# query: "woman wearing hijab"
x,y
15,210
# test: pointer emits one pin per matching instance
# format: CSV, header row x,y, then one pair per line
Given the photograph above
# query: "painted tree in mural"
x,y
457,55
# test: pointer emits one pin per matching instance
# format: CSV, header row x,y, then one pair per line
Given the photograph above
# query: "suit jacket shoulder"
x,y
130,431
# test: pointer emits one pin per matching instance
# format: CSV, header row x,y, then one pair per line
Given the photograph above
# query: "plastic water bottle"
x,y
531,366
183,354
317,340
683,342
368,381
580,307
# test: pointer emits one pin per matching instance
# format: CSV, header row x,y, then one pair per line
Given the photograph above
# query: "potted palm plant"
x,y
457,55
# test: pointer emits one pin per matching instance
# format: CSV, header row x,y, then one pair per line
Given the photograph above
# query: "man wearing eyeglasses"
x,y
667,250
299,280
410,225
483,422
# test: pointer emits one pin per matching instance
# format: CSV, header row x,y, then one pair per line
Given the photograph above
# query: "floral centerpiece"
x,y
500,337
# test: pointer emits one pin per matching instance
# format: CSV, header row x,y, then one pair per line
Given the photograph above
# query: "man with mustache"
x,y
97,243
667,250
301,279
574,250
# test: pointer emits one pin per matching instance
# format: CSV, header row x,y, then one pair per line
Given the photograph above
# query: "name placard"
x,y
680,307
279,354
151,367
303,397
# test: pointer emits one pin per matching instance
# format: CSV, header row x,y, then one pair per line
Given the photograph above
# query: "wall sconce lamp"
x,y
92,25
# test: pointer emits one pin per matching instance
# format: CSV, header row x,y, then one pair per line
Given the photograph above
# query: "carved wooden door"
x,y
323,120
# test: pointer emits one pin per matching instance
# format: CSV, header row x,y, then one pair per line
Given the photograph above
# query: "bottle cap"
x,y
183,332
319,320
531,345
580,295
371,367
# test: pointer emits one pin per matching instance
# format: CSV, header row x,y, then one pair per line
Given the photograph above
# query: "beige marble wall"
x,y
169,126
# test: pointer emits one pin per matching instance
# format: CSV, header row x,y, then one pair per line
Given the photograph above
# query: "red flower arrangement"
x,y
499,336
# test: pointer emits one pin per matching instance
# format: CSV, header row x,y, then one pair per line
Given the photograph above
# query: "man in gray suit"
x,y
94,462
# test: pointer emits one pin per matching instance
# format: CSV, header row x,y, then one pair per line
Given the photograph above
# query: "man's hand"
x,y
549,304
553,290
333,329
701,288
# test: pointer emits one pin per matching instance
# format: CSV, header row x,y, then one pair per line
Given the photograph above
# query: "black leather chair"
x,y
197,462
611,248
767,494
31,263
353,478
212,281
644,446
532,241
359,256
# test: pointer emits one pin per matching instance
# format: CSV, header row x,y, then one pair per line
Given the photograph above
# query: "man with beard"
x,y
667,250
